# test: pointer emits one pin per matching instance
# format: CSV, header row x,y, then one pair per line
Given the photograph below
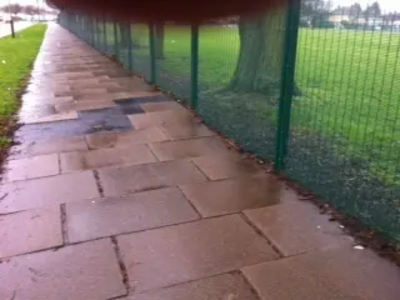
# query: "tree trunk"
x,y
259,67
124,32
159,33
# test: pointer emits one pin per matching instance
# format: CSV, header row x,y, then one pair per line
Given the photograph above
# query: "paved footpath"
x,y
116,192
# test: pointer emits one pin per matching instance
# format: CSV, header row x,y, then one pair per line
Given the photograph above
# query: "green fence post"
x,y
194,70
116,46
152,54
105,34
287,83
96,33
92,30
130,45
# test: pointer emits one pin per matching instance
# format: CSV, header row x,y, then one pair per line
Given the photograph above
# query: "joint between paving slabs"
x,y
59,163
152,152
200,216
64,229
121,264
200,170
249,285
260,233
98,183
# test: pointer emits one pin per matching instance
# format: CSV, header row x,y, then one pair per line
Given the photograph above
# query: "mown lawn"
x,y
16,58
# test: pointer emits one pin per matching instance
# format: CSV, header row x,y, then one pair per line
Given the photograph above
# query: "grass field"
x,y
16,58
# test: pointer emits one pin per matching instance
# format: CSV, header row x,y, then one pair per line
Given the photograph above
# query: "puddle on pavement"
x,y
141,100
89,121
107,119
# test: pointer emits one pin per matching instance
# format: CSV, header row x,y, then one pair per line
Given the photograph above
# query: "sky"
x,y
23,2
386,5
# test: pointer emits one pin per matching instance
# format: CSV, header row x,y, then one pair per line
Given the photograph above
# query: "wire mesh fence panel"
x,y
172,54
100,33
110,37
124,42
344,113
345,125
240,78
140,50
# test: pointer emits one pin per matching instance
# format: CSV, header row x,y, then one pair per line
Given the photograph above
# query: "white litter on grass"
x,y
173,41
359,247
3,62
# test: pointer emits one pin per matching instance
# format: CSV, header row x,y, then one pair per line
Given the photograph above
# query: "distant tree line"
x,y
320,14
30,10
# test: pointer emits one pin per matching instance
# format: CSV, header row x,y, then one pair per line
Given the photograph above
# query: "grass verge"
x,y
16,59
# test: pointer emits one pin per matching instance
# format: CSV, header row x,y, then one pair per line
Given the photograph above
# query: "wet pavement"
x,y
116,192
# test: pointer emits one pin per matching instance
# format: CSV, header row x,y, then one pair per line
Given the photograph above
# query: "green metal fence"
x,y
313,89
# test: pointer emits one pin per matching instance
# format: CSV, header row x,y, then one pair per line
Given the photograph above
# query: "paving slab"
x,y
30,231
106,139
161,106
161,118
190,130
171,255
34,148
33,167
96,159
22,195
229,286
213,198
297,227
227,165
125,180
71,115
171,150
113,216
84,105
343,273
87,271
